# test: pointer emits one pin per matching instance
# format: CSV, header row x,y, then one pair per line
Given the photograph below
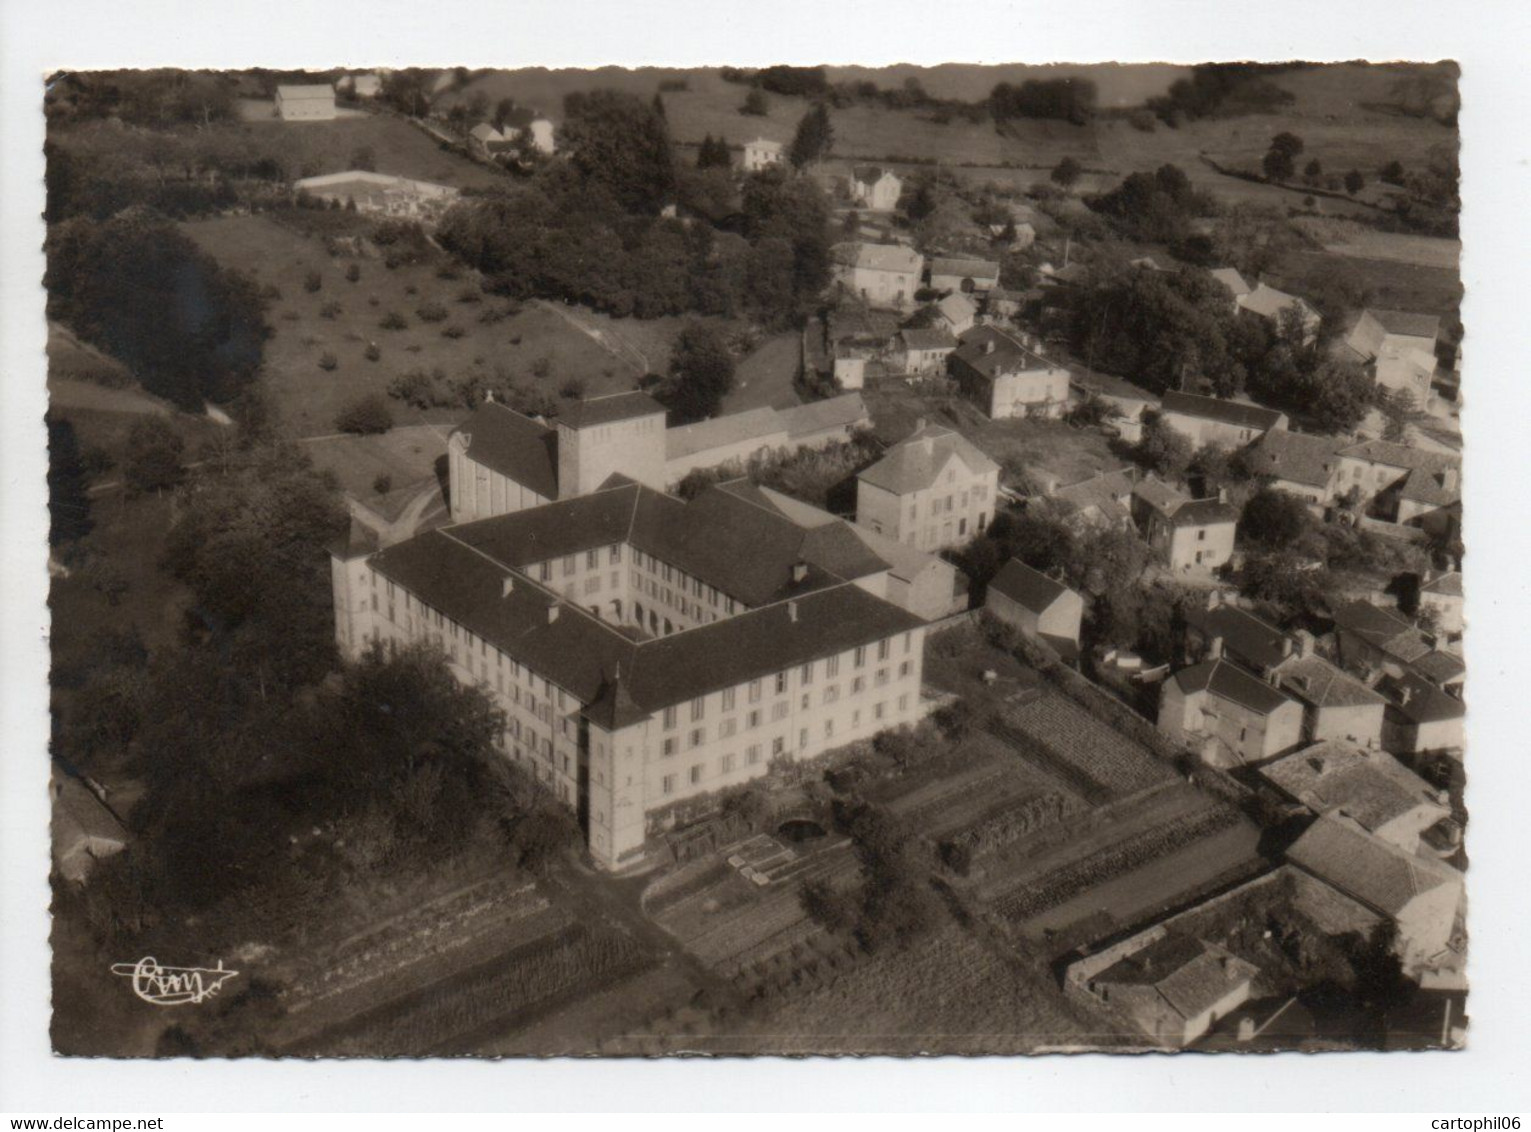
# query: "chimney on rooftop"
x,y
988,346
1215,648
1304,643
799,572
1214,599
792,612
552,612
1222,495
1449,479
507,585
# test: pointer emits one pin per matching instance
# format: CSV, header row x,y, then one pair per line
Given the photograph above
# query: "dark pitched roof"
x,y
613,407
1009,355
1236,413
516,446
1030,588
1246,637
1407,323
1294,456
1383,629
1440,667
1191,976
1365,867
1230,682
933,338
1420,701
973,268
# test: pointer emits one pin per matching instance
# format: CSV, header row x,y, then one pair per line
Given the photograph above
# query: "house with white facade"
x,y
1005,375
761,154
875,188
884,275
931,490
305,102
1398,347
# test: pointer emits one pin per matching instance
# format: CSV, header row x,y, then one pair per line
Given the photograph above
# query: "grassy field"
x,y
1390,283
308,397
765,377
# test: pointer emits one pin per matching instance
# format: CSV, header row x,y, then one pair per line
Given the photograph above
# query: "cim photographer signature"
x,y
173,986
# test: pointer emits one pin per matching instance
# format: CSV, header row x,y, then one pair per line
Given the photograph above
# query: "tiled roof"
x,y
1246,637
1007,356
970,268
1315,681
1271,303
1204,513
1103,492
1437,489
1237,413
914,463
462,571
1401,456
1447,585
1030,588
1366,868
1408,323
957,307
1230,682
1383,629
1369,786
933,338
1191,976
1440,667
613,407
1294,456
1159,495
515,446
305,92
845,411
687,440
1420,701
878,257
1230,278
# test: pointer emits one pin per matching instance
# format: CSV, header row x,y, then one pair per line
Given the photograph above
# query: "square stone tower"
x,y
622,432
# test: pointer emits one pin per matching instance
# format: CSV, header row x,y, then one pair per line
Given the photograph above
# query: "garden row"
x,y
1068,881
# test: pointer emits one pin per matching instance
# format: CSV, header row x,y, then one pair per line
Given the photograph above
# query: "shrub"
x,y
372,353
542,367
328,361
312,282
448,271
393,320
431,312
365,415
329,310
572,388
383,484
470,295
453,331
353,272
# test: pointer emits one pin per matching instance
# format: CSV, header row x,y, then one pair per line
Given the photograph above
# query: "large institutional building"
x,y
645,650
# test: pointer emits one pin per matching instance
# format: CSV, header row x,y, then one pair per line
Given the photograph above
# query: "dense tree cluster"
x,y
141,290
701,374
1068,99
1222,90
619,143
157,99
1154,207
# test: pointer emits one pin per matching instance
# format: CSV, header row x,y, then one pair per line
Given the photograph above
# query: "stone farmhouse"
x,y
885,275
1212,420
1188,535
875,188
1398,347
960,276
308,102
1005,376
761,154
1227,715
932,490
647,651
1042,608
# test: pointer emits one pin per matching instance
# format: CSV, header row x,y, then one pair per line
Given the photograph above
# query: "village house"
x,y
1442,595
1374,640
1422,718
855,339
1420,896
1005,376
761,154
1226,715
1398,348
875,188
1277,310
733,438
932,490
1187,534
924,352
1103,500
486,140
1335,705
957,276
1298,464
885,275
1397,483
925,584
956,313
1173,988
646,651
1042,608
1212,420
1366,785
1129,401
311,102
1003,303
1237,285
